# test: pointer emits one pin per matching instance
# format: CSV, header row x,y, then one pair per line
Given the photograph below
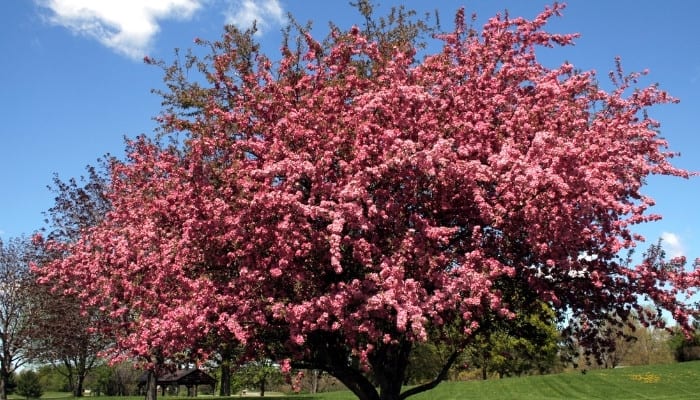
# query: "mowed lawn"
x,y
671,381
679,381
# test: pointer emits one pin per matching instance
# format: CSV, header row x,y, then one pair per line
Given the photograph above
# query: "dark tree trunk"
x,y
81,371
151,385
262,388
388,363
5,373
78,390
4,379
225,389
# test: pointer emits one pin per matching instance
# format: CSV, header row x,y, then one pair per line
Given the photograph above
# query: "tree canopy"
x,y
335,207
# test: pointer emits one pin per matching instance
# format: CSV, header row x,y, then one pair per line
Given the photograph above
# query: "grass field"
x,y
673,381
668,382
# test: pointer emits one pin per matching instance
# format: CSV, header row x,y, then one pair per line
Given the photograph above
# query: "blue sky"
x,y
73,83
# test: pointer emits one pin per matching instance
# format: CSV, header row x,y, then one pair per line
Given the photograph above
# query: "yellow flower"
x,y
646,378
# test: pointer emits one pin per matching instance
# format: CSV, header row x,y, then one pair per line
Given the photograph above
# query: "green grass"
x,y
46,396
667,382
672,381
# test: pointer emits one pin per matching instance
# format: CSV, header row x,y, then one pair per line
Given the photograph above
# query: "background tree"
x,y
79,203
425,363
63,333
15,286
317,381
29,385
611,341
224,360
257,375
334,209
686,346
529,343
51,380
634,344
121,379
651,346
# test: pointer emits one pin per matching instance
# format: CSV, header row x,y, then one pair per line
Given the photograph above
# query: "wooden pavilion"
x,y
190,378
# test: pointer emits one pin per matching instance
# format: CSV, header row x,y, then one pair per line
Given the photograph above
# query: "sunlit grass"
x,y
672,381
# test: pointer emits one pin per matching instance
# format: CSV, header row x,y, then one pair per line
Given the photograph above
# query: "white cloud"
x,y
265,13
672,244
126,26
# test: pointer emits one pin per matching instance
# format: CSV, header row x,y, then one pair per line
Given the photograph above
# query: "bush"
x,y
28,385
686,348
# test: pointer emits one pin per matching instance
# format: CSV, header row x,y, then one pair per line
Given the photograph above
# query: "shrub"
x,y
28,385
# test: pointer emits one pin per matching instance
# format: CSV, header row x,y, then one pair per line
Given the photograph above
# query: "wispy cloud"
x,y
672,244
125,26
264,13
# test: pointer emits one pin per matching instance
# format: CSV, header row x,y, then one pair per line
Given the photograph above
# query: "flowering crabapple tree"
x,y
335,208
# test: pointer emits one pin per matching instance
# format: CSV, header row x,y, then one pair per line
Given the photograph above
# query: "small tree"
x,y
16,287
29,385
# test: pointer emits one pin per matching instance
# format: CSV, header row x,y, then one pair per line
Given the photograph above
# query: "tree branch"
x,y
350,377
432,384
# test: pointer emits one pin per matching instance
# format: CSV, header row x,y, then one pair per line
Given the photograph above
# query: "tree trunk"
x,y
314,380
151,385
81,370
78,391
70,376
484,364
389,364
262,388
225,389
3,385
389,367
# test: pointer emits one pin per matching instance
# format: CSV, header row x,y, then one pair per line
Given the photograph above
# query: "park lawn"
x,y
45,396
668,382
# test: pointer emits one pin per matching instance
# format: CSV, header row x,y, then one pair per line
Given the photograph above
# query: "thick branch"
x,y
432,384
350,377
